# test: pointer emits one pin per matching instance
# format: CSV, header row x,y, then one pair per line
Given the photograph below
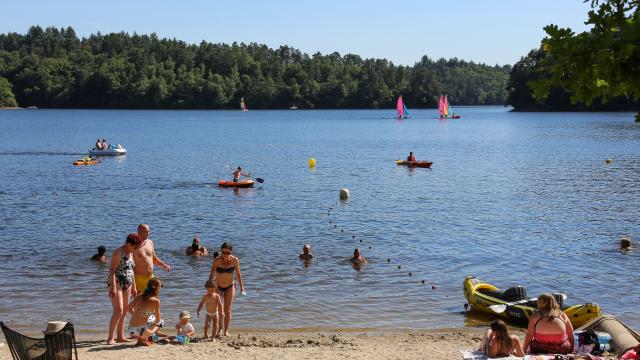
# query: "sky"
x,y
402,31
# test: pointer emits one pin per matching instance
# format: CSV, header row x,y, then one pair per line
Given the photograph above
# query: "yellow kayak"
x,y
86,161
514,305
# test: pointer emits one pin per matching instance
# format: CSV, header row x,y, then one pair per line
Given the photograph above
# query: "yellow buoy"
x,y
312,162
344,194
608,161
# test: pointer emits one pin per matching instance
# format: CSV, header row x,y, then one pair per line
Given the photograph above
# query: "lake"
x,y
512,198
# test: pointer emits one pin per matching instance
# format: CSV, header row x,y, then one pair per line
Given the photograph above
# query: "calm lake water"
x,y
513,198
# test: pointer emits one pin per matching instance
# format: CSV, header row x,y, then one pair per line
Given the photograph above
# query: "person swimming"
x,y
101,256
196,249
625,243
306,254
357,258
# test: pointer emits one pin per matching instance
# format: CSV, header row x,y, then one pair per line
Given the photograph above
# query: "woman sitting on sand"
x,y
145,310
222,270
550,330
497,342
121,286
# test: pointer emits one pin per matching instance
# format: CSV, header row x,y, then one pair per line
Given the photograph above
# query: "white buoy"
x,y
344,194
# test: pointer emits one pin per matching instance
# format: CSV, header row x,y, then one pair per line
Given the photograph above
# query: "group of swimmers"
x,y
133,289
131,276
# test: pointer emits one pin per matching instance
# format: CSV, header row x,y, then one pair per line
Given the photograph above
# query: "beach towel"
x,y
478,355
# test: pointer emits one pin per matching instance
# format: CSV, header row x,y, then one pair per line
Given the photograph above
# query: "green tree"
x,y
599,64
7,99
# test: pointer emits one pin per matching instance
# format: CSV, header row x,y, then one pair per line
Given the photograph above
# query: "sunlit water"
x,y
513,198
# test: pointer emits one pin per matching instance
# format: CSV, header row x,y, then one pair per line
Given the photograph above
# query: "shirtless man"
x,y
145,257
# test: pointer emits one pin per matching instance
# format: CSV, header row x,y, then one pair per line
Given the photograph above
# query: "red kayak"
x,y
239,184
422,164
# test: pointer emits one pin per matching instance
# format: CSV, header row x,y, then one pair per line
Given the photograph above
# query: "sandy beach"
x,y
437,344
296,344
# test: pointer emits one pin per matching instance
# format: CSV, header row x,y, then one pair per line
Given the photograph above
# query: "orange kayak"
x,y
239,184
422,164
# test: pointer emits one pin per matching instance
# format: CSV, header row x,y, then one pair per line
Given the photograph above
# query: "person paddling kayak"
x,y
238,173
411,157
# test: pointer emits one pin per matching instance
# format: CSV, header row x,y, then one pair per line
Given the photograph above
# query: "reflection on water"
x,y
513,198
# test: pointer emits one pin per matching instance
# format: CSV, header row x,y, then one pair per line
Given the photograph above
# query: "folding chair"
x,y
57,346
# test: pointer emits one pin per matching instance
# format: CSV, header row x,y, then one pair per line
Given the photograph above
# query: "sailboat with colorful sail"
x,y
243,105
401,108
444,110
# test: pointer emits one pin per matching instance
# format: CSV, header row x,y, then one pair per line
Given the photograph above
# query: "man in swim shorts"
x,y
145,257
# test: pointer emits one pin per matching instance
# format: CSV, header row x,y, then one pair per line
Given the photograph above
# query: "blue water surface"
x,y
512,198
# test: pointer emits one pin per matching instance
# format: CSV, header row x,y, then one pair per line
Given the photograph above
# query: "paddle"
x,y
260,180
500,308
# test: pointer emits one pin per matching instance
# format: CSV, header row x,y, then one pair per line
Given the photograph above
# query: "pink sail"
x,y
400,107
440,106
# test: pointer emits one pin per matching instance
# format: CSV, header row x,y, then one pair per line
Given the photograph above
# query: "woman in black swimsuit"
x,y
222,270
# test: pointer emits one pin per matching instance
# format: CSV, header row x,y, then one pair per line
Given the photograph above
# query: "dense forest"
x,y
54,68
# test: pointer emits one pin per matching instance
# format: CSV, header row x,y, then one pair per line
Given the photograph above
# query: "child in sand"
x,y
214,310
184,329
306,253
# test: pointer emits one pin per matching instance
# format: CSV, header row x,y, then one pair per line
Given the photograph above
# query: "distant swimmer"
x,y
196,249
411,157
306,254
625,243
357,258
101,256
237,173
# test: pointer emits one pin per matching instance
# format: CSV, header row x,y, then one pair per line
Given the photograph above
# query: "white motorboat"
x,y
118,150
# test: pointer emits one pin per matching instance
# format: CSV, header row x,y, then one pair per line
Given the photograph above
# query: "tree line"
x,y
52,67
592,70
531,69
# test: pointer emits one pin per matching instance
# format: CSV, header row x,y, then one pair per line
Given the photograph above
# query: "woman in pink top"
x,y
549,331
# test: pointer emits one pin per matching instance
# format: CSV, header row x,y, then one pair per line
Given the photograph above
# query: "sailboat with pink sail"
x,y
444,110
401,108
243,105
